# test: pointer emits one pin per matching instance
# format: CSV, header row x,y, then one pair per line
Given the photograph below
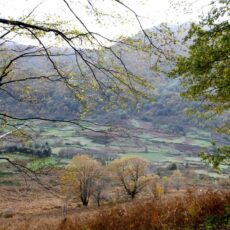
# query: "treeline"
x,y
38,150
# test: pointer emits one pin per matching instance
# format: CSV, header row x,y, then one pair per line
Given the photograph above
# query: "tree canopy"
x,y
204,71
80,177
93,69
131,174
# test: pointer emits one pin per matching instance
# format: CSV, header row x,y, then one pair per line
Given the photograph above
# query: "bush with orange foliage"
x,y
192,210
195,210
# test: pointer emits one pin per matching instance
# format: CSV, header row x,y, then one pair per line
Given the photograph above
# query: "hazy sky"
x,y
152,12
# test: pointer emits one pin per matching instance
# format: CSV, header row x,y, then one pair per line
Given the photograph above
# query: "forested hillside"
x,y
166,111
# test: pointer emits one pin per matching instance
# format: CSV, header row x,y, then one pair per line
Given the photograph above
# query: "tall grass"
x,y
192,210
207,210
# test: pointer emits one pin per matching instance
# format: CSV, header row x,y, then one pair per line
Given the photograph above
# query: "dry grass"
x,y
192,210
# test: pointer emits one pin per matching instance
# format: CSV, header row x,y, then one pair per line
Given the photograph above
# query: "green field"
x,y
161,147
153,145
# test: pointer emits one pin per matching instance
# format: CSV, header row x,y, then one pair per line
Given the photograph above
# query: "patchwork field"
x,y
138,138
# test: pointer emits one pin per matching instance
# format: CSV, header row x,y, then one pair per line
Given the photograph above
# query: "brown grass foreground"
x,y
192,210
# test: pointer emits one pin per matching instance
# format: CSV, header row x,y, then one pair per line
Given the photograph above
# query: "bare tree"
x,y
155,187
90,75
131,173
100,193
80,178
165,182
176,179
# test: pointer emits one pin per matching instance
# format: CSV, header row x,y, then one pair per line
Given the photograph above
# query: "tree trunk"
x,y
85,202
98,203
133,195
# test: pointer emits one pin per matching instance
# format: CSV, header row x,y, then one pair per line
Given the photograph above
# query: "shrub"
x,y
172,166
192,210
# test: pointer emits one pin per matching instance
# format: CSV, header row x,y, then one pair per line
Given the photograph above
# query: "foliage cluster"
x,y
204,71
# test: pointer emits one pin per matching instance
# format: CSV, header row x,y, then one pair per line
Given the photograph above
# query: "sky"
x,y
151,12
